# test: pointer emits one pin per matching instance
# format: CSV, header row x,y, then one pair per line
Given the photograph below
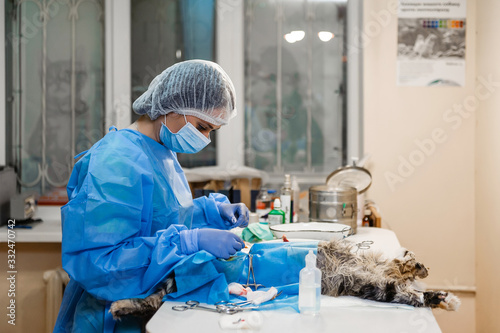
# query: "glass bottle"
x,y
368,218
295,199
286,199
263,203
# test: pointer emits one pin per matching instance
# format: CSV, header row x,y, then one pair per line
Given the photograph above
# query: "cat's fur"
x,y
344,273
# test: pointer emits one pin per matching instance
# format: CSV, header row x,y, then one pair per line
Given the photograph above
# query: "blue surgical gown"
x,y
124,227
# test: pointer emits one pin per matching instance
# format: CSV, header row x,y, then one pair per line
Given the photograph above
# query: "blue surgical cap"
x,y
195,87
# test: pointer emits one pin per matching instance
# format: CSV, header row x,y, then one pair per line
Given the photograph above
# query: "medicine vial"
x,y
276,216
310,286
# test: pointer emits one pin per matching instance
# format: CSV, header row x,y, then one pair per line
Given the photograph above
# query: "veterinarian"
x,y
130,215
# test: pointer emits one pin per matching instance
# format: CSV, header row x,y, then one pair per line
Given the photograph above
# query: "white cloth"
x,y
258,297
255,297
242,321
349,301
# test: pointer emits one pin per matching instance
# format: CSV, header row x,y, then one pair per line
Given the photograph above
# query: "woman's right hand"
x,y
220,243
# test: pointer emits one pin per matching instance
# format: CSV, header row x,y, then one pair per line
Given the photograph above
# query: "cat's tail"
x,y
142,307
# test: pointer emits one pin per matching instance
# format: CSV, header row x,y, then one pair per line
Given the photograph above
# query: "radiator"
x,y
55,281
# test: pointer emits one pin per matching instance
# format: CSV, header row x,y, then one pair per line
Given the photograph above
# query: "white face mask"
x,y
187,140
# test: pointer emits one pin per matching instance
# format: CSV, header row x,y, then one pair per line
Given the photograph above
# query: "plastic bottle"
x,y
263,203
310,286
287,199
295,199
276,216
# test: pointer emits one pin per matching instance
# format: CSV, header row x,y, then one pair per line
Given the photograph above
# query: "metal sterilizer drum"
x,y
333,204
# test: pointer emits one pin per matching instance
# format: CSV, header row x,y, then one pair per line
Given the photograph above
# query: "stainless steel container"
x,y
333,204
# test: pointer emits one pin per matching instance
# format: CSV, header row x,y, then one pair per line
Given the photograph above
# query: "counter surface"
x,y
48,231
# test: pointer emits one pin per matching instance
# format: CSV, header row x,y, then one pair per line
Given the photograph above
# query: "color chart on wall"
x,y
450,24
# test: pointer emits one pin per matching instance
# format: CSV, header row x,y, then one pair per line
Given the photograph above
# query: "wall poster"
x,y
431,43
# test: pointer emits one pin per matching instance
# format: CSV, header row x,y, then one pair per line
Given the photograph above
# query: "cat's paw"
x,y
123,308
420,270
450,303
409,266
442,300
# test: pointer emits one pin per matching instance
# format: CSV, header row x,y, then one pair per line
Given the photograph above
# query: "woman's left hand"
x,y
234,215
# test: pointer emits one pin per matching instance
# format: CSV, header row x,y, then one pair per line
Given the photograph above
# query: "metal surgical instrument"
x,y
195,305
250,269
364,245
236,305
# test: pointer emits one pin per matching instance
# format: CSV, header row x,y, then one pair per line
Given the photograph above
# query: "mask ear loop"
x,y
185,119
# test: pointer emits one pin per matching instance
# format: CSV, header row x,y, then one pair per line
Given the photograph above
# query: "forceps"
x,y
195,305
250,270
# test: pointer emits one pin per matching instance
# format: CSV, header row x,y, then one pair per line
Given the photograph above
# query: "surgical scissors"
x,y
237,305
195,305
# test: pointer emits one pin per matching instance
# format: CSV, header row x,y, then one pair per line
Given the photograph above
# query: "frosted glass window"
x,y
165,32
55,87
295,85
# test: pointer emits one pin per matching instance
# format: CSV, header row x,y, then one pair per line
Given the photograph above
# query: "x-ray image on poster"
x,y
431,43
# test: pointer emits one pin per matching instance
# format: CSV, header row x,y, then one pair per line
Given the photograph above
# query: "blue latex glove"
x,y
220,243
234,215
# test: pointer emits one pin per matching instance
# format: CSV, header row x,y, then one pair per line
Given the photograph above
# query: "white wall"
x,y
487,172
433,209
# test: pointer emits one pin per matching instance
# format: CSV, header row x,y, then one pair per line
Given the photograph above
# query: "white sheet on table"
x,y
349,301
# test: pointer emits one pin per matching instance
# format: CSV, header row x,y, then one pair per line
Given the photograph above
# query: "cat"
x,y
345,272
370,276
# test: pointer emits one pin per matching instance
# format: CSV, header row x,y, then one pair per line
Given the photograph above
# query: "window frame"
x,y
118,64
117,80
3,104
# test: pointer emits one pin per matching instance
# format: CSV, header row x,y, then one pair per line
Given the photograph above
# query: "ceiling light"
x,y
290,38
298,35
325,36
